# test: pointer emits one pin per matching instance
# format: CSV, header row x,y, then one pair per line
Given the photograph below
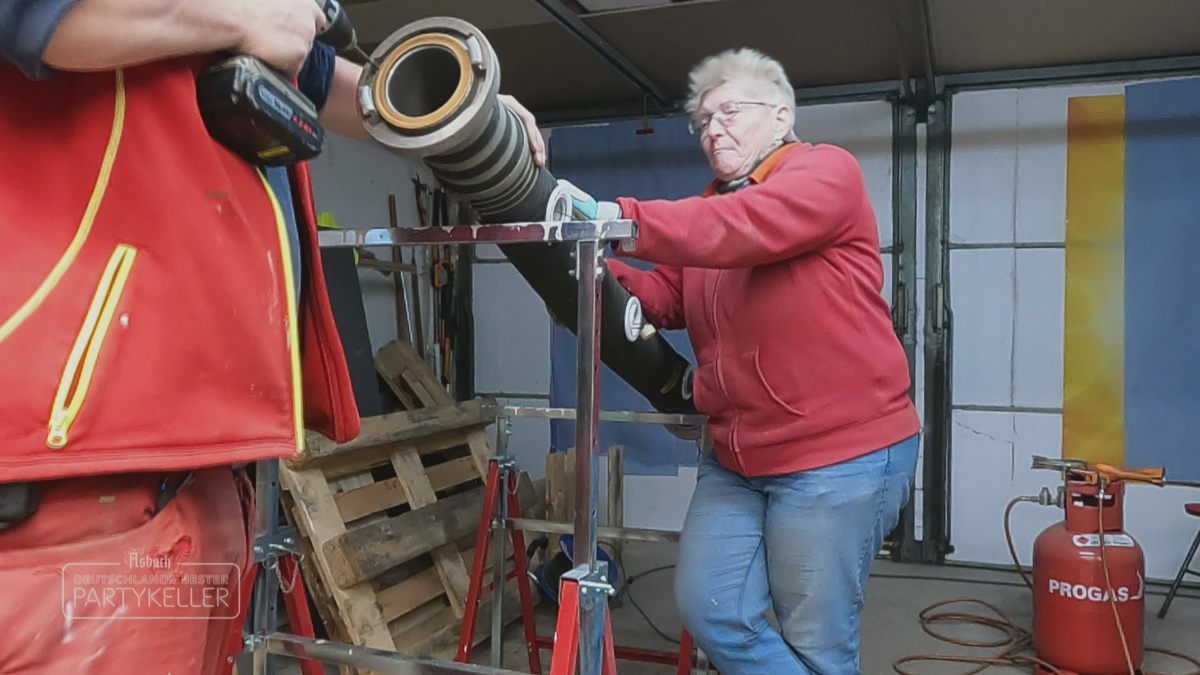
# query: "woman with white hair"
x,y
775,272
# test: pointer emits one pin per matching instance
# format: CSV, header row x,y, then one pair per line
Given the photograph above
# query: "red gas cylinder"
x,y
1073,623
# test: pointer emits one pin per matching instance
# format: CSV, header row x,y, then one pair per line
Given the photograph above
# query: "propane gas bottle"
x,y
1074,627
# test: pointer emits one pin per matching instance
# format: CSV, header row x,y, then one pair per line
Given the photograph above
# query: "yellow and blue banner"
x,y
1131,379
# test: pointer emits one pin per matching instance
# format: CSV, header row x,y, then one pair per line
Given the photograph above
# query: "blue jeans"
x,y
803,542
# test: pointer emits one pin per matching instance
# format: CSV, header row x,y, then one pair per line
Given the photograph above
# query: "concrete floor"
x,y
891,629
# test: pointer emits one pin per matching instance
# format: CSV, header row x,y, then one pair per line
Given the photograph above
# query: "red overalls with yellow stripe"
x,y
148,319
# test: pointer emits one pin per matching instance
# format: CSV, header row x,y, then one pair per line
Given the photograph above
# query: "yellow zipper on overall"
x,y
77,375
293,321
85,224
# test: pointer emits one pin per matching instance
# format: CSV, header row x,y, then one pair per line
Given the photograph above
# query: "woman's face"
x,y
737,124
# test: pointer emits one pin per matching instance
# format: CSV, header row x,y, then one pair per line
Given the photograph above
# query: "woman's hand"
x,y
537,145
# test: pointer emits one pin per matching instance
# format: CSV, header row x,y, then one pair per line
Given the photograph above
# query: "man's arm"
x,y
340,112
88,35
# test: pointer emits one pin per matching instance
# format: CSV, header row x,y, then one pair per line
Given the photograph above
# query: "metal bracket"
x,y
592,582
283,541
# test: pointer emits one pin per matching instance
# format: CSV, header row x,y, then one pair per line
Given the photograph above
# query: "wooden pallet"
x,y
388,520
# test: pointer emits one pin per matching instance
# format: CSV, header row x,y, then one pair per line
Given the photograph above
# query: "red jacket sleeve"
x,y
808,203
660,291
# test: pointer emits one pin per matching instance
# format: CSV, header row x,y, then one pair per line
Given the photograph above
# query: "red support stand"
x,y
296,601
483,540
566,634
564,645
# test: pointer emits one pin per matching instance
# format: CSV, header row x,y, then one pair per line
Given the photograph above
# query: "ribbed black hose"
x,y
495,172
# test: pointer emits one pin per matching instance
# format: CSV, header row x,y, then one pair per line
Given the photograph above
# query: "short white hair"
x,y
741,65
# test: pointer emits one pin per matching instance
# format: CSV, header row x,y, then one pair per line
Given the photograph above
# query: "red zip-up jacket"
x,y
779,286
148,315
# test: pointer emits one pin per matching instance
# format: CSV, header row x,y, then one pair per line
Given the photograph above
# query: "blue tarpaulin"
x,y
613,161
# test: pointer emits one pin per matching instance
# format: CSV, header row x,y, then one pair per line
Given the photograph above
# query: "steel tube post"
x,y
587,460
266,590
587,403
498,543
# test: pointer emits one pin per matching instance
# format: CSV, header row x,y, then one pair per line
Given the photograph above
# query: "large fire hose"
x,y
430,94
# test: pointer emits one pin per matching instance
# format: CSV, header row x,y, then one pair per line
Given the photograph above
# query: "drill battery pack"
x,y
253,111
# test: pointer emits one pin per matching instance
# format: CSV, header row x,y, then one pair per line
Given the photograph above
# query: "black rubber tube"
x,y
495,172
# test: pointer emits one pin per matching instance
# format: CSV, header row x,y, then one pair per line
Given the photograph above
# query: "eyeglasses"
x,y
724,114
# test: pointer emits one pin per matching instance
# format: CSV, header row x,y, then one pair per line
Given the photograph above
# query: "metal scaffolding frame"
x,y
589,237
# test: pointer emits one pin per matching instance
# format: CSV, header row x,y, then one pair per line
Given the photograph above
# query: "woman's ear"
x,y
785,120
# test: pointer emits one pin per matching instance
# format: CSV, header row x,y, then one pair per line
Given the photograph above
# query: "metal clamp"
x,y
282,542
590,581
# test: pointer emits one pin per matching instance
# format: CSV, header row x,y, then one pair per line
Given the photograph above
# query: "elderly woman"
x,y
775,273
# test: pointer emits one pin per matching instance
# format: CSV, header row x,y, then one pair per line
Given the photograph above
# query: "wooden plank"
x,y
616,492
319,521
481,450
399,364
366,552
386,494
560,490
437,634
608,534
365,461
406,596
446,558
383,430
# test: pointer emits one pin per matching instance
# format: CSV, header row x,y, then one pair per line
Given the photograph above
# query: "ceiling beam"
x,y
891,89
585,33
1074,73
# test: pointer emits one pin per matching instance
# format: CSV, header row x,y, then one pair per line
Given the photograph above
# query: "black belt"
x,y
19,501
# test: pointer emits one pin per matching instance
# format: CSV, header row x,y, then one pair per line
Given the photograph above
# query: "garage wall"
x,y
1007,233
351,181
513,334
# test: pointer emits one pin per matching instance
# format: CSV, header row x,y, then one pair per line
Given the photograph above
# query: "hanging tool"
x,y
443,282
252,109
419,190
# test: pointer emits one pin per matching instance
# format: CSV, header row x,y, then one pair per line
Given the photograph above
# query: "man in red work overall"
x,y
163,321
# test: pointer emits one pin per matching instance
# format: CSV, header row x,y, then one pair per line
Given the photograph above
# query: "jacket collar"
x,y
760,172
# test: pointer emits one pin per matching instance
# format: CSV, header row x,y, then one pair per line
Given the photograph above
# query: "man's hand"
x,y
106,34
537,145
281,32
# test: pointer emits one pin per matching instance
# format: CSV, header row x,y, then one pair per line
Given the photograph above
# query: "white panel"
x,y
1155,517
1038,371
865,129
1009,352
992,453
1041,166
659,502
991,465
489,252
983,166
512,333
981,298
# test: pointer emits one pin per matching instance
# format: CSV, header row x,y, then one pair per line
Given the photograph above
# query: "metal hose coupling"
x,y
433,98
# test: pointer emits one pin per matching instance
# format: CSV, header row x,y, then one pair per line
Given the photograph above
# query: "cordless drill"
x,y
252,109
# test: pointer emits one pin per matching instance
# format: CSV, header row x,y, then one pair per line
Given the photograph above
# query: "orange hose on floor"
x,y
1017,640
